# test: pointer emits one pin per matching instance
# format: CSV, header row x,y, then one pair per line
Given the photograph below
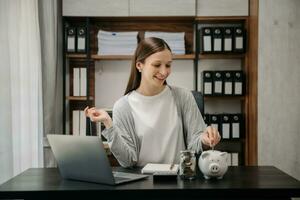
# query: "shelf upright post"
x,y
197,51
88,57
64,74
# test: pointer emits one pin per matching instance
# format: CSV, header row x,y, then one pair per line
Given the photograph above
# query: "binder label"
x,y
207,43
215,126
81,44
239,43
218,87
228,88
226,131
217,44
235,159
227,44
228,159
71,43
207,88
238,88
235,130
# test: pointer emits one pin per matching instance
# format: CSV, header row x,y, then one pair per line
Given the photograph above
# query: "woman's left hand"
x,y
211,137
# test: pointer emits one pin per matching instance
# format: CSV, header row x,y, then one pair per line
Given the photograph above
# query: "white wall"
x,y
278,85
112,77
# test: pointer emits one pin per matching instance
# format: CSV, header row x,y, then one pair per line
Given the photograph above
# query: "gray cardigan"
x,y
123,140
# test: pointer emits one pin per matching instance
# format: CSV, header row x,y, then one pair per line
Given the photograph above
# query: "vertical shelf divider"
x,y
64,75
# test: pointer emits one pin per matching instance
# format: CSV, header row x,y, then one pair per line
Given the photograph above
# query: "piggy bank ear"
x,y
223,154
204,155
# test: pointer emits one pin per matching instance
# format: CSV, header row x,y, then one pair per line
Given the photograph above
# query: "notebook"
x,y
160,169
83,158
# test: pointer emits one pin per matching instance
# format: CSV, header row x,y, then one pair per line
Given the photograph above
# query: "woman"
x,y
153,121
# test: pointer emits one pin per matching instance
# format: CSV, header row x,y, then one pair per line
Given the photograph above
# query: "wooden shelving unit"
x,y
169,24
249,100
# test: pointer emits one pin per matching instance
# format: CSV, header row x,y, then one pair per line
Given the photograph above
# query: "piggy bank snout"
x,y
214,168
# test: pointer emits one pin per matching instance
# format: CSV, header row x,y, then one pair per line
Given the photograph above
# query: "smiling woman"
x,y
153,121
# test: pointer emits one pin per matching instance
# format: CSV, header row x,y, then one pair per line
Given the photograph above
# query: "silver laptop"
x,y
84,158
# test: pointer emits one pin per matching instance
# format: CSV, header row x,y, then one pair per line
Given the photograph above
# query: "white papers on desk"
x,y
174,39
117,43
160,169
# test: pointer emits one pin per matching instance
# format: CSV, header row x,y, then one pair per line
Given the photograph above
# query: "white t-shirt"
x,y
157,126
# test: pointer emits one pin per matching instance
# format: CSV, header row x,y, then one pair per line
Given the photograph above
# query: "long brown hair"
x,y
145,48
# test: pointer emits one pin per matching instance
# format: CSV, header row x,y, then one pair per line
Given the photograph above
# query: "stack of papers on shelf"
x,y
160,169
174,39
117,43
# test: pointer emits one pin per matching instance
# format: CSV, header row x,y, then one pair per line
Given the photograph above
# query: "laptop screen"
x,y
81,158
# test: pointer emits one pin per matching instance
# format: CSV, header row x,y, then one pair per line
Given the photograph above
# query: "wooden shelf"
x,y
221,19
184,57
129,57
76,56
111,57
221,56
224,98
79,98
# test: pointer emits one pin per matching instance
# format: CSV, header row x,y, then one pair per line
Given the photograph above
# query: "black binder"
x,y
91,127
228,83
239,85
227,41
217,40
237,124
71,39
206,39
81,43
225,126
198,96
207,86
217,83
206,119
239,40
102,127
215,121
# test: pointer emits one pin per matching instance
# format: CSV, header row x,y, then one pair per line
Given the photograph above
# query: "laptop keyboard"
x,y
123,176
120,179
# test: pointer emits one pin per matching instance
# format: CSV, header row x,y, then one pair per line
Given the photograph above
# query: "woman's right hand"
x,y
98,115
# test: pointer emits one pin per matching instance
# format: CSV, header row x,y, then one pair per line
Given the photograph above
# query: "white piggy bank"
x,y
213,163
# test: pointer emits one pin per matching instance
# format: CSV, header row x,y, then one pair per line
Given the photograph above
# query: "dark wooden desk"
x,y
239,182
